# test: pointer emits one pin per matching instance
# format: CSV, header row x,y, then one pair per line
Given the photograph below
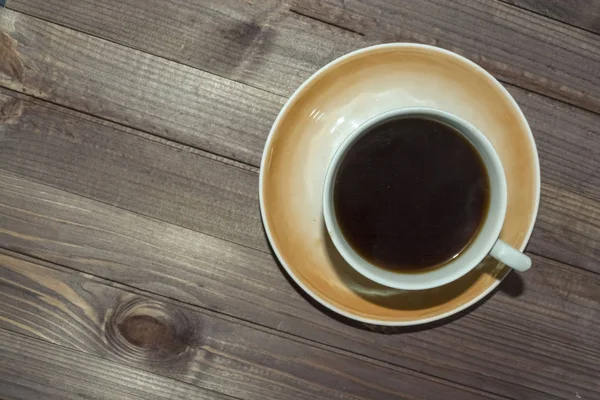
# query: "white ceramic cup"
x,y
486,241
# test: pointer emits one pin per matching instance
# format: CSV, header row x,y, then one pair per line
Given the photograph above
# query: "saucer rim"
x,y
297,94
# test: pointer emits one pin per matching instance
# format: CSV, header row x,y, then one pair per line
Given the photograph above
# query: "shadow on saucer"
x,y
383,296
396,299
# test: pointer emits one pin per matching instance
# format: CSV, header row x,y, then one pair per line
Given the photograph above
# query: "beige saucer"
x,y
327,108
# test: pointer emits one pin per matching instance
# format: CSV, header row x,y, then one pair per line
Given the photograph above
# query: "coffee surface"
x,y
411,194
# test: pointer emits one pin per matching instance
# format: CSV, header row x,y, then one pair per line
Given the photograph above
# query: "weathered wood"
x,y
568,228
122,167
194,346
538,341
132,98
568,142
518,47
259,43
263,44
584,14
543,343
119,84
35,369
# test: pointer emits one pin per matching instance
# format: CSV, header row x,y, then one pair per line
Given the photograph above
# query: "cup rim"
x,y
407,281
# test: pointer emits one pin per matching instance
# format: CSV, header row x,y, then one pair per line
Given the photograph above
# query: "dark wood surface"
x,y
33,368
191,345
584,14
133,263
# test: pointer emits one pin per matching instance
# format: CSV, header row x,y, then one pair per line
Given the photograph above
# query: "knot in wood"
x,y
146,331
149,331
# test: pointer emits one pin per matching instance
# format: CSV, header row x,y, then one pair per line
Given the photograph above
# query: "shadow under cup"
x,y
406,300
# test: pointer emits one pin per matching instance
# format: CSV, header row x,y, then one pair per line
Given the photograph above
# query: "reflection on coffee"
x,y
411,194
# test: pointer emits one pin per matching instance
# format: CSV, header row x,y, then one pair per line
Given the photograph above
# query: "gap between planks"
x,y
459,328
539,10
173,60
165,390
299,12
66,109
175,304
134,132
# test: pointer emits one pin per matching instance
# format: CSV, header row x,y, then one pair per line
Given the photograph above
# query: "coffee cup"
x,y
484,242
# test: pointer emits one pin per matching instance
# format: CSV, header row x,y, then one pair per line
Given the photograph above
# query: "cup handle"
x,y
510,256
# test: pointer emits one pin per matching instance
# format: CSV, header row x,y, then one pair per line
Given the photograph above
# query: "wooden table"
x,y
133,262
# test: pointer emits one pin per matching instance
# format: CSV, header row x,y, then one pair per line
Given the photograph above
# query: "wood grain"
x,y
567,140
154,95
568,228
122,167
547,323
193,346
132,99
131,170
584,14
259,43
31,368
263,44
518,47
538,340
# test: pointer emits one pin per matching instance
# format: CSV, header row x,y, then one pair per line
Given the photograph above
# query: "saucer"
x,y
324,111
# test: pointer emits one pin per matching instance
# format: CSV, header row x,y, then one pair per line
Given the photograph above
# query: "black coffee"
x,y
411,194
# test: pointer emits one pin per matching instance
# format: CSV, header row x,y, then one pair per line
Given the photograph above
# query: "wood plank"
x,y
584,14
567,140
86,90
191,345
518,47
568,228
32,369
58,229
263,44
259,43
125,168
129,169
544,114
154,95
547,323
